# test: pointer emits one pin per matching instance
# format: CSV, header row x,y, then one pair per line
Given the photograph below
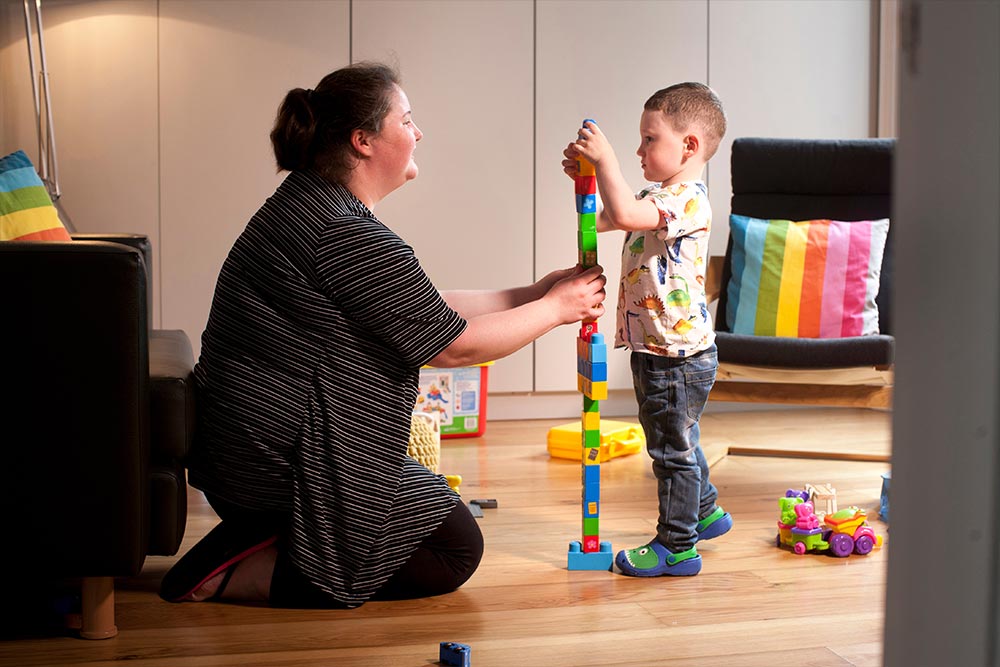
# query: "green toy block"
x,y
587,222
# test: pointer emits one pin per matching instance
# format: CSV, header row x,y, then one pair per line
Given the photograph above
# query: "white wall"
x,y
163,108
468,214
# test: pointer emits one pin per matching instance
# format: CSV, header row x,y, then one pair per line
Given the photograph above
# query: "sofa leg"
x,y
98,602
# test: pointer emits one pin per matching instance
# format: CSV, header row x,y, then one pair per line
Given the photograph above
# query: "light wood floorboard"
x,y
753,604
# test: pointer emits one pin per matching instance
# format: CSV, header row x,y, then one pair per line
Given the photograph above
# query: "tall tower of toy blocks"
x,y
592,382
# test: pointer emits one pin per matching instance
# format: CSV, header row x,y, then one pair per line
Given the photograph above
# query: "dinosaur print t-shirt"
x,y
662,308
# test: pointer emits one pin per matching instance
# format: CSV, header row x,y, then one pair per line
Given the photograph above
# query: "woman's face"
x,y
394,145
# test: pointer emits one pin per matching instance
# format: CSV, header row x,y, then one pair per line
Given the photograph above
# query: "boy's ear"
x,y
361,142
691,145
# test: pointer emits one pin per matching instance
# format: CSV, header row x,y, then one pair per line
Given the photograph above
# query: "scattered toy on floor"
x,y
453,653
843,532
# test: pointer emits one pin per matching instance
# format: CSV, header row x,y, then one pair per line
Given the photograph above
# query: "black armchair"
x,y
808,179
97,418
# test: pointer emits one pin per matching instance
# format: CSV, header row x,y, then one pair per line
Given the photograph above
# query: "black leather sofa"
x,y
97,416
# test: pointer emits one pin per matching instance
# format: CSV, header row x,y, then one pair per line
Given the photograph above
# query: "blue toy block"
x,y
594,372
586,203
591,474
453,653
883,507
591,509
577,559
598,352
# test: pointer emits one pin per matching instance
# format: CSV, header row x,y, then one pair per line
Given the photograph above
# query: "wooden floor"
x,y
753,603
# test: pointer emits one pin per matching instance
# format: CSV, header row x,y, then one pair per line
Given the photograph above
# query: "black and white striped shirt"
x,y
321,320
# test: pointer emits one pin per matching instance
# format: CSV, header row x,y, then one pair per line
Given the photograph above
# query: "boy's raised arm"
x,y
621,210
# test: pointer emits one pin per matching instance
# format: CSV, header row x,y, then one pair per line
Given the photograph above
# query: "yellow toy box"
x,y
617,439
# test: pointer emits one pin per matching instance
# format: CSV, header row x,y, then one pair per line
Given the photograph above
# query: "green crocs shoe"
x,y
715,524
655,560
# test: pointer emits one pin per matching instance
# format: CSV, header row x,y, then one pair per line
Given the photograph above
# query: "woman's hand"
x,y
571,295
543,285
578,295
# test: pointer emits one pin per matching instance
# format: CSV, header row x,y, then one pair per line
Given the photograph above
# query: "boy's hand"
x,y
570,165
592,144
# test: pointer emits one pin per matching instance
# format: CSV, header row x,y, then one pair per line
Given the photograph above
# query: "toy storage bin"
x,y
457,396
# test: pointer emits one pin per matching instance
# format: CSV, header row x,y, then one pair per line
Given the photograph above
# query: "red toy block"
x,y
586,185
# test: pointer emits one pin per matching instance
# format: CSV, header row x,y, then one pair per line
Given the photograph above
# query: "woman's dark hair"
x,y
313,128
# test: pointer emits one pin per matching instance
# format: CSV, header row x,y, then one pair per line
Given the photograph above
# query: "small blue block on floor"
x,y
453,653
577,559
883,510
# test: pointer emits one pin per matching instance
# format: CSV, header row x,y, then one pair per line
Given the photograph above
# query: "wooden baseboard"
x,y
852,396
809,454
715,451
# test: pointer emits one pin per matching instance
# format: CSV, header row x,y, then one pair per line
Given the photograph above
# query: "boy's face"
x,y
663,151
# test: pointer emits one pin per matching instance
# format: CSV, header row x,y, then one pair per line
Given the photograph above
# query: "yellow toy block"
x,y
591,421
597,391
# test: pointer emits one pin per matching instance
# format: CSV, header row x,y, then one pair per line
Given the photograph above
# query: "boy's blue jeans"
x,y
672,393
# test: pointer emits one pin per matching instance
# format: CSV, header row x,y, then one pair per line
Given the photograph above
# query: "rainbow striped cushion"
x,y
812,279
26,212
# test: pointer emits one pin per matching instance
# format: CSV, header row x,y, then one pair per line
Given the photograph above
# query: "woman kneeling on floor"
x,y
321,320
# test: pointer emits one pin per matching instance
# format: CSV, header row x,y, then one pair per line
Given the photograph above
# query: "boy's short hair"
x,y
690,103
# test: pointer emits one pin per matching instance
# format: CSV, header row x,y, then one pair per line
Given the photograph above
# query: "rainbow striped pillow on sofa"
x,y
26,212
811,279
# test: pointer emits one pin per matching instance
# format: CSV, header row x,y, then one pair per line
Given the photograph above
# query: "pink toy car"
x,y
843,532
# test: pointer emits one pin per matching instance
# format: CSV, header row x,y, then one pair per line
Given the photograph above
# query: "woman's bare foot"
x,y
250,580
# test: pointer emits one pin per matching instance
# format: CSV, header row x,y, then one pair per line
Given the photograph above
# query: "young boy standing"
x,y
663,311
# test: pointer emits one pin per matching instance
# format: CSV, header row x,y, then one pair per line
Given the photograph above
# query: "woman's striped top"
x,y
307,378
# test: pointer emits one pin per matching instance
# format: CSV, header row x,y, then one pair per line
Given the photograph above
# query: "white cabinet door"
x,y
599,60
224,69
466,68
